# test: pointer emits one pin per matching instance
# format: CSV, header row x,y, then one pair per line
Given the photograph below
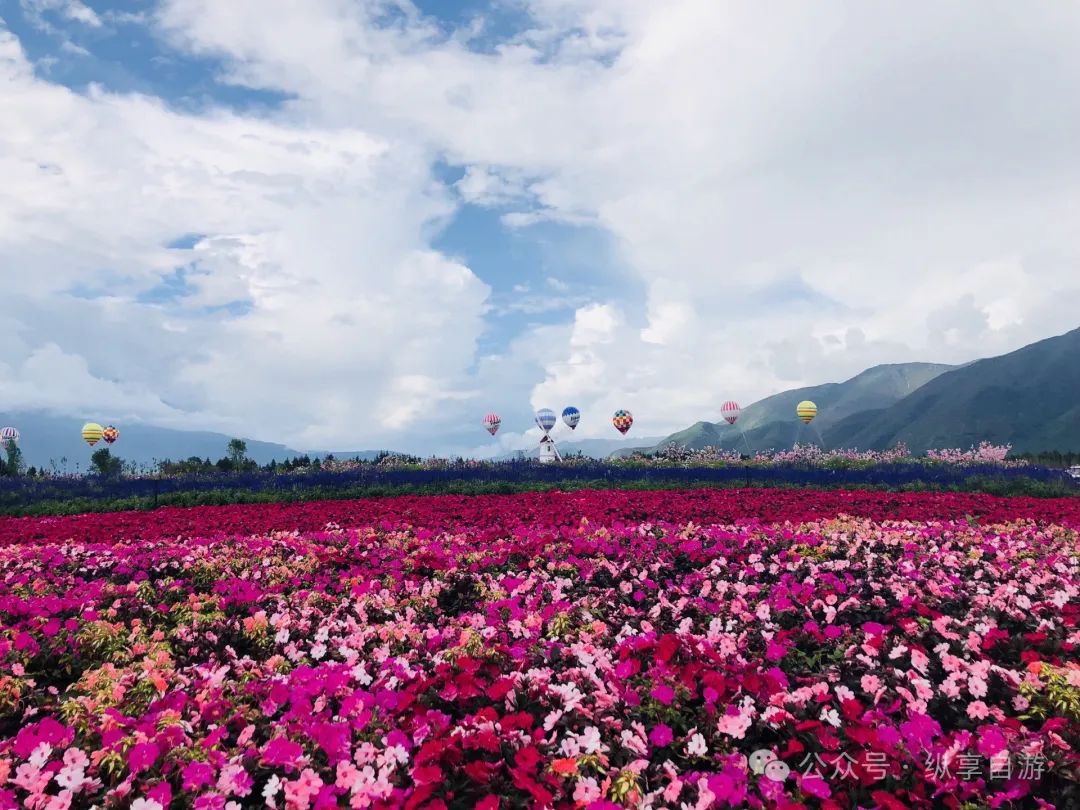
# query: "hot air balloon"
x,y
110,434
545,418
491,423
806,410
9,435
91,433
571,416
730,411
622,420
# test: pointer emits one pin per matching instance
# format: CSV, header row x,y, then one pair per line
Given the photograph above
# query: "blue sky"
x,y
550,262
367,224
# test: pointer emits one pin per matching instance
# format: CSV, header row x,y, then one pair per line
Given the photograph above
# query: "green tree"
x,y
237,452
13,458
106,464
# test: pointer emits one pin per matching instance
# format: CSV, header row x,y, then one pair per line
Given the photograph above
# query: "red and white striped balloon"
x,y
491,423
730,411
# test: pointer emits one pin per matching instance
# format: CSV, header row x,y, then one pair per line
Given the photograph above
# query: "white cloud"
x,y
349,326
795,192
484,185
72,10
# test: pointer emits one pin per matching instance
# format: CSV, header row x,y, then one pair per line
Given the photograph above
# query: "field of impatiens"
x,y
599,649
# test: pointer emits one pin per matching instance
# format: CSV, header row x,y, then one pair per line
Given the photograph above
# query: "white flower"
x,y
40,755
395,753
361,674
570,747
273,785
146,804
590,740
71,777
696,746
318,651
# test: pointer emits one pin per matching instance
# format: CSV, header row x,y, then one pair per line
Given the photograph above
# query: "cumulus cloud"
x,y
38,11
310,308
794,193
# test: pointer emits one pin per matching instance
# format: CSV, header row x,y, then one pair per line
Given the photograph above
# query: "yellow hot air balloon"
x,y
806,410
92,432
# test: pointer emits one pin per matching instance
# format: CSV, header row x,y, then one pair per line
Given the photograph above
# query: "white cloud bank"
x,y
801,191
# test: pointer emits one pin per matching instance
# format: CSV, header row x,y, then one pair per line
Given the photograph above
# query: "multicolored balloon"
x,y
8,435
730,411
545,419
806,410
571,416
491,423
92,432
110,434
622,420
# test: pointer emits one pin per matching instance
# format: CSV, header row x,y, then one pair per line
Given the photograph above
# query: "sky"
x,y
368,223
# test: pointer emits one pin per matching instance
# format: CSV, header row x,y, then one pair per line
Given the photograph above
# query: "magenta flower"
x,y
282,752
142,756
661,735
663,693
196,775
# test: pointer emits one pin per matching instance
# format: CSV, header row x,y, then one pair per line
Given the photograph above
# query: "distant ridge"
x,y
770,423
47,439
1029,398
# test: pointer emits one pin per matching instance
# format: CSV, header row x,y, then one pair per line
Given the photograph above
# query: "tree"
x,y
13,462
106,464
237,453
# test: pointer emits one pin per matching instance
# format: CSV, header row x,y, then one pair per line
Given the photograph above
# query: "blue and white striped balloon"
x,y
571,416
545,419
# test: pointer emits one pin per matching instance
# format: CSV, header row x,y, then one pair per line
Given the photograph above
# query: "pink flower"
x,y
734,722
299,792
347,774
234,780
977,687
61,801
870,683
587,791
977,710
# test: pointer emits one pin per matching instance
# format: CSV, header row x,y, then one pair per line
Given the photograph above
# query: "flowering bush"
x,y
604,649
985,454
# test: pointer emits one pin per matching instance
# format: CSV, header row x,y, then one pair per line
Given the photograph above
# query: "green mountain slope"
x,y
771,423
1029,398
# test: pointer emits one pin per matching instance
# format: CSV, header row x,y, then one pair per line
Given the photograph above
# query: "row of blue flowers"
x,y
26,491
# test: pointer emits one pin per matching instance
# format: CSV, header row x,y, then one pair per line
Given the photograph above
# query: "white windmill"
x,y
545,420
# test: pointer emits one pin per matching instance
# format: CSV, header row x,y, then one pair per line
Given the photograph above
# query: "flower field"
x,y
685,649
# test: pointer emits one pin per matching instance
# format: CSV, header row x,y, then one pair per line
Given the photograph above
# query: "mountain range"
x,y
1029,398
49,439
